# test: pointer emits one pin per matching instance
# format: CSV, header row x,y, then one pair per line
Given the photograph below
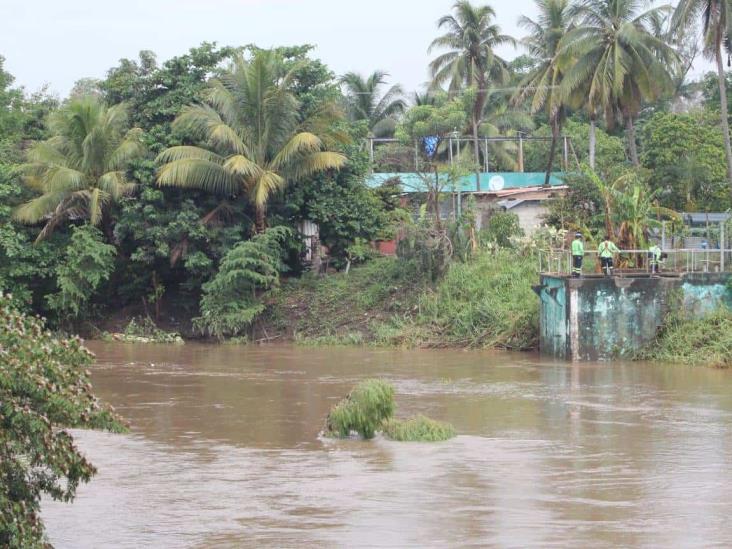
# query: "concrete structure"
x,y
598,318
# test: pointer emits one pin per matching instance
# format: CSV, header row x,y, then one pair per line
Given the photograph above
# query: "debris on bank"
x,y
143,331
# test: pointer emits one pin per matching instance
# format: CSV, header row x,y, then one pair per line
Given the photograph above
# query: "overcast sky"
x,y
60,41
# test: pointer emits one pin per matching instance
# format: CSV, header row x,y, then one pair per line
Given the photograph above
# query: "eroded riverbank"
x,y
223,450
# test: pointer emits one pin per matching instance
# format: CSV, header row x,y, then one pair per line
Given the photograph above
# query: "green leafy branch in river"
x,y
370,407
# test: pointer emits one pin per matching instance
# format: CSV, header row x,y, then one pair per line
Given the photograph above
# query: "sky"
x,y
57,42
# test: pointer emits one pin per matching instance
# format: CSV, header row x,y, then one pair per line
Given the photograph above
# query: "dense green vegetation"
x,y
706,342
44,389
175,194
145,192
418,429
363,410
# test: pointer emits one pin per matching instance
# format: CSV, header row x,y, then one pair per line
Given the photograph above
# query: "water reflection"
x,y
224,452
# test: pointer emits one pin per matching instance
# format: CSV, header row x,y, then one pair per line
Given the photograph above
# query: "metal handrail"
x,y
687,260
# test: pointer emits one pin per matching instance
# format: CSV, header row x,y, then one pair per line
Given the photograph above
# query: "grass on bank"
x,y
702,342
483,303
344,308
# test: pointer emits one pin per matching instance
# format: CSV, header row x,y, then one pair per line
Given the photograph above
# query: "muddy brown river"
x,y
223,451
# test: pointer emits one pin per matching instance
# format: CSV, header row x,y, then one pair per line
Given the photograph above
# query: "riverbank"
x,y
698,342
486,302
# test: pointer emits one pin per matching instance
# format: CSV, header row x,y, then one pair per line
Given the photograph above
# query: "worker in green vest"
x,y
578,254
606,251
654,255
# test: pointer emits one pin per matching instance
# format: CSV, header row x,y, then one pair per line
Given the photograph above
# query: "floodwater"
x,y
223,451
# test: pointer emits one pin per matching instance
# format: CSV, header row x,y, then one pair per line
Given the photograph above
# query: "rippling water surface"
x,y
223,451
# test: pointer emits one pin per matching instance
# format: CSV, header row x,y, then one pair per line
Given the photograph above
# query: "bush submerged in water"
x,y
369,408
418,429
364,410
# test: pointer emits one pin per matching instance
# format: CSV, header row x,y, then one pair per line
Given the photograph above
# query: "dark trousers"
x,y
607,265
577,265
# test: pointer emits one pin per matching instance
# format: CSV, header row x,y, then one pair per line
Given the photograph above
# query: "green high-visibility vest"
x,y
607,249
578,247
655,254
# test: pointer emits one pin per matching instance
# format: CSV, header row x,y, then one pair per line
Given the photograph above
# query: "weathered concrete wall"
x,y
602,318
553,322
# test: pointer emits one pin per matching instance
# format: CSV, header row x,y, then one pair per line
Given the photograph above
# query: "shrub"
x,y
232,299
88,262
44,388
418,429
501,228
364,410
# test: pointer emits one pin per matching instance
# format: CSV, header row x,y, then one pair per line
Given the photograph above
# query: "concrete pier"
x,y
599,318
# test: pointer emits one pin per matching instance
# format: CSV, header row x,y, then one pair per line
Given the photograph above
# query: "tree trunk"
x,y
723,110
553,150
632,145
476,153
436,200
480,98
593,142
260,221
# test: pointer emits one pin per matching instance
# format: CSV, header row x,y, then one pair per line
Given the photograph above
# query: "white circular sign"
x,y
496,183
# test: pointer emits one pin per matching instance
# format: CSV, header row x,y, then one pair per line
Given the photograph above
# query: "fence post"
x,y
721,246
521,154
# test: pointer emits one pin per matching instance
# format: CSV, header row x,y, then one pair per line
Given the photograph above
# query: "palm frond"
x,y
196,173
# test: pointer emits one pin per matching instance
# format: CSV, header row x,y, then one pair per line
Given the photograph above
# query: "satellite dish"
x,y
496,183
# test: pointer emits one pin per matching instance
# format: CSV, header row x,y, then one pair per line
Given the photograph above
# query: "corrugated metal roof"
x,y
489,182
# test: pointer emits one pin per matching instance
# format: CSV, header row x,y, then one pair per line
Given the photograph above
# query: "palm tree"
x,y
428,97
364,103
499,119
543,81
251,140
82,169
618,60
716,18
471,61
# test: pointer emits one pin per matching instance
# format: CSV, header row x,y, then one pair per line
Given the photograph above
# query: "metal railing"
x,y
454,144
559,262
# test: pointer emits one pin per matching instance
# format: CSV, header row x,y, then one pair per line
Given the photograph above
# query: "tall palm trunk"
x,y
723,107
477,117
593,142
630,132
260,219
556,129
476,153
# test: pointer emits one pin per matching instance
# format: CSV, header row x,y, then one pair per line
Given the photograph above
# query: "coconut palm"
x,y
543,81
716,16
82,169
250,138
500,119
471,39
364,103
618,60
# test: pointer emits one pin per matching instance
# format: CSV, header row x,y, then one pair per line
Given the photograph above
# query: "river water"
x,y
223,451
